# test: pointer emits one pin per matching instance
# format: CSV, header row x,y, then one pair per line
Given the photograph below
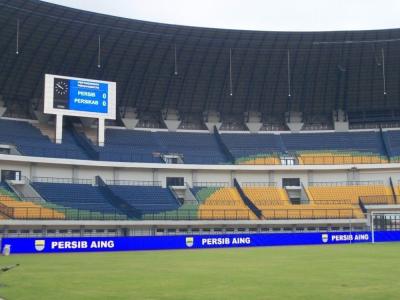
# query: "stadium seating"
x,y
224,203
274,203
146,146
267,194
77,201
352,193
397,191
338,158
203,148
309,148
392,140
30,141
336,147
12,207
254,148
148,199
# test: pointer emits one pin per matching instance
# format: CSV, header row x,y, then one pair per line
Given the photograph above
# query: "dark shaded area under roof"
x,y
194,70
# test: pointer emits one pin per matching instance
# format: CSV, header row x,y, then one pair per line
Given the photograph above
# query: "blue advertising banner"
x,y
93,244
86,95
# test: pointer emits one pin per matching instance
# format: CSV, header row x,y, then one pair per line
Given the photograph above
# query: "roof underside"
x,y
159,66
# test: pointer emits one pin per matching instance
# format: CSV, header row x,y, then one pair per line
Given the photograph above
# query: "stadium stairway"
x,y
392,142
385,145
83,142
223,203
223,146
354,147
117,201
256,211
144,201
274,203
80,200
30,141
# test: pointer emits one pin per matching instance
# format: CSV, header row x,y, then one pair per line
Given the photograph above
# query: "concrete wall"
x,y
195,174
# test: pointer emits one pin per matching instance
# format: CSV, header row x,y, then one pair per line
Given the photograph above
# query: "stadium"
x,y
125,137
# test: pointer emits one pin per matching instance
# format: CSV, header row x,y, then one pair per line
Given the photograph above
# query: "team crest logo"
x,y
189,241
39,245
325,237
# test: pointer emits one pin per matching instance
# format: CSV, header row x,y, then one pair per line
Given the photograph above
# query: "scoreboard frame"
x,y
50,108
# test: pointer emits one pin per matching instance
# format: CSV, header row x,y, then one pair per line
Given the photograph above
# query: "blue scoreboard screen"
x,y
80,95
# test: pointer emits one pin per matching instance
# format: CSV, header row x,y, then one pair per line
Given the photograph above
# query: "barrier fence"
x,y
346,183
114,154
53,212
285,214
386,222
379,199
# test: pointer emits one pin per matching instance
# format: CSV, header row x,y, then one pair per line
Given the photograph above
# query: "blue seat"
x,y
30,141
392,139
246,145
76,196
363,142
148,199
146,146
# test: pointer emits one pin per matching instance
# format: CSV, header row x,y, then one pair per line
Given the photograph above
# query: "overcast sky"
x,y
279,15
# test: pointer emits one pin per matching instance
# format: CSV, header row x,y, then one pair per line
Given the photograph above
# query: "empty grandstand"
x,y
214,130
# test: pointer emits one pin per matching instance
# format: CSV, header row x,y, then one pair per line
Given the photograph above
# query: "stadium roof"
x,y
159,66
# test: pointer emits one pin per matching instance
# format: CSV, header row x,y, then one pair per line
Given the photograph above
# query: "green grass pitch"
x,y
311,272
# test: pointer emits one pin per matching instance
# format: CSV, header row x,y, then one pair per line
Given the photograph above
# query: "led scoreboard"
x,y
79,97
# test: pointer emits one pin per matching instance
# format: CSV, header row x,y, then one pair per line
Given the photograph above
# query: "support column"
x,y
59,128
100,133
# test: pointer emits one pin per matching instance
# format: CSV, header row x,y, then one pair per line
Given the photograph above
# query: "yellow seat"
x,y
332,158
225,203
274,203
350,192
267,160
26,210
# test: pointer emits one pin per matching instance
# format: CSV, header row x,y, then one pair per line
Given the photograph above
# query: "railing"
x,y
62,180
62,152
133,182
262,160
63,213
157,157
346,183
333,202
130,157
329,213
5,210
386,221
67,152
60,213
203,214
4,198
341,159
378,200
258,184
314,160
211,184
